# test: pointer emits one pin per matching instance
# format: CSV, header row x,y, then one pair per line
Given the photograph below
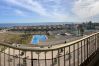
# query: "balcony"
x,y
81,52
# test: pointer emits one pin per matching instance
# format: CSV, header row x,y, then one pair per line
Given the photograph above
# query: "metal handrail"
x,y
74,53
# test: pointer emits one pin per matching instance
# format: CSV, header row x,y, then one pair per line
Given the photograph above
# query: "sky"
x,y
35,11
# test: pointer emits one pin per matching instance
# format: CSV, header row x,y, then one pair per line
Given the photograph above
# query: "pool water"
x,y
37,38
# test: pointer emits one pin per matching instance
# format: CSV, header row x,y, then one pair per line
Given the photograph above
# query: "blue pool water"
x,y
37,38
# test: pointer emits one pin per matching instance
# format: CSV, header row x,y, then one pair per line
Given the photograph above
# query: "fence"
x,y
69,54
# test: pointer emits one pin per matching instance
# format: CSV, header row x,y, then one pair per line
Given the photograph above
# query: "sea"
x,y
9,25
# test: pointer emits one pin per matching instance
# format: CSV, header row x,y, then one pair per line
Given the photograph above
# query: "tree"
x,y
90,25
80,29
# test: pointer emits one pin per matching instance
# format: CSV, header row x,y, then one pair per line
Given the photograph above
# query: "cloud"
x,y
19,12
61,10
59,16
86,9
37,7
29,5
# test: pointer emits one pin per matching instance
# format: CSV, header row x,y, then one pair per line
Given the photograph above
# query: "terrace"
x,y
81,52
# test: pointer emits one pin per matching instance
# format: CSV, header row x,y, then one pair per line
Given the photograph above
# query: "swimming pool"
x,y
37,38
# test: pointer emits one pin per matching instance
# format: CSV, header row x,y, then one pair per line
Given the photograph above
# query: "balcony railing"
x,y
70,54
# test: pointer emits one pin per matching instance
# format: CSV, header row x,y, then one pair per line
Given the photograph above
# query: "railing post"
x,y
45,59
69,57
58,58
81,53
9,56
87,48
74,54
14,57
4,55
31,58
97,40
64,57
52,59
78,53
